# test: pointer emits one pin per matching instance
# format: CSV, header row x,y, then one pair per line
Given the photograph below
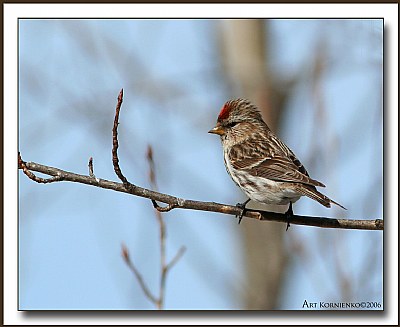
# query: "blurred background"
x,y
319,85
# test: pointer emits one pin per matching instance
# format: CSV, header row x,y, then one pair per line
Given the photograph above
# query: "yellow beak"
x,y
218,129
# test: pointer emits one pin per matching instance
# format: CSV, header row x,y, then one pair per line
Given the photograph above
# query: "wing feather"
x,y
270,160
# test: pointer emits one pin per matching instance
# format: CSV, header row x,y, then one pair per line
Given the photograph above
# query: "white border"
x,y
11,13
388,11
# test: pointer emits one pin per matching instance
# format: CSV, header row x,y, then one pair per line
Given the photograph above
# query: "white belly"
x,y
261,189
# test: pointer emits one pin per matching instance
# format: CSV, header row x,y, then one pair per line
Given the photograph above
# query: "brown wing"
x,y
270,159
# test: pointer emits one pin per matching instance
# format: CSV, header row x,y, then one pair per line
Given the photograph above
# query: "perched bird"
x,y
264,168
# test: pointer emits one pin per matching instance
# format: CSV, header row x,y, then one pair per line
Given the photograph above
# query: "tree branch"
x,y
175,202
376,224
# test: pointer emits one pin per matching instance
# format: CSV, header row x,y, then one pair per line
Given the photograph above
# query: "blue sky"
x,y
70,235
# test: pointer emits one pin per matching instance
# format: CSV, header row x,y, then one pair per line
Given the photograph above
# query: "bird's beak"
x,y
218,129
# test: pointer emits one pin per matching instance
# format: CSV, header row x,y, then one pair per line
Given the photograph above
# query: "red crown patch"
x,y
225,111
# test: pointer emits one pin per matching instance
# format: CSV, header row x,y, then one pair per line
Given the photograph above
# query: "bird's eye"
x,y
230,125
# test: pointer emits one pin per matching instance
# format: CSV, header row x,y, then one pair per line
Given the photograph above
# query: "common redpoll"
x,y
264,168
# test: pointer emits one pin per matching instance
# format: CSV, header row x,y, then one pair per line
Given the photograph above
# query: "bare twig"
x,y
175,259
146,291
164,266
167,208
158,301
32,176
115,159
91,173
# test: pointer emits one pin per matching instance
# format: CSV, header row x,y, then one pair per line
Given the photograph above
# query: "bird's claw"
x,y
243,207
289,215
240,216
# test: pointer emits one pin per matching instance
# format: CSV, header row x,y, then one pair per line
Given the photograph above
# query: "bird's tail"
x,y
312,193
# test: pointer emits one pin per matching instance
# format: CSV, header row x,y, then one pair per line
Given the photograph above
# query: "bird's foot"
x,y
243,207
289,215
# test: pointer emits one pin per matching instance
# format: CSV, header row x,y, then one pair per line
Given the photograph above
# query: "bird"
x,y
260,163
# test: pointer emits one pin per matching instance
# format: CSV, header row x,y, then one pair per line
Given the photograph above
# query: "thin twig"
x,y
32,176
146,291
115,160
158,301
164,266
175,259
91,173
167,208
161,224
